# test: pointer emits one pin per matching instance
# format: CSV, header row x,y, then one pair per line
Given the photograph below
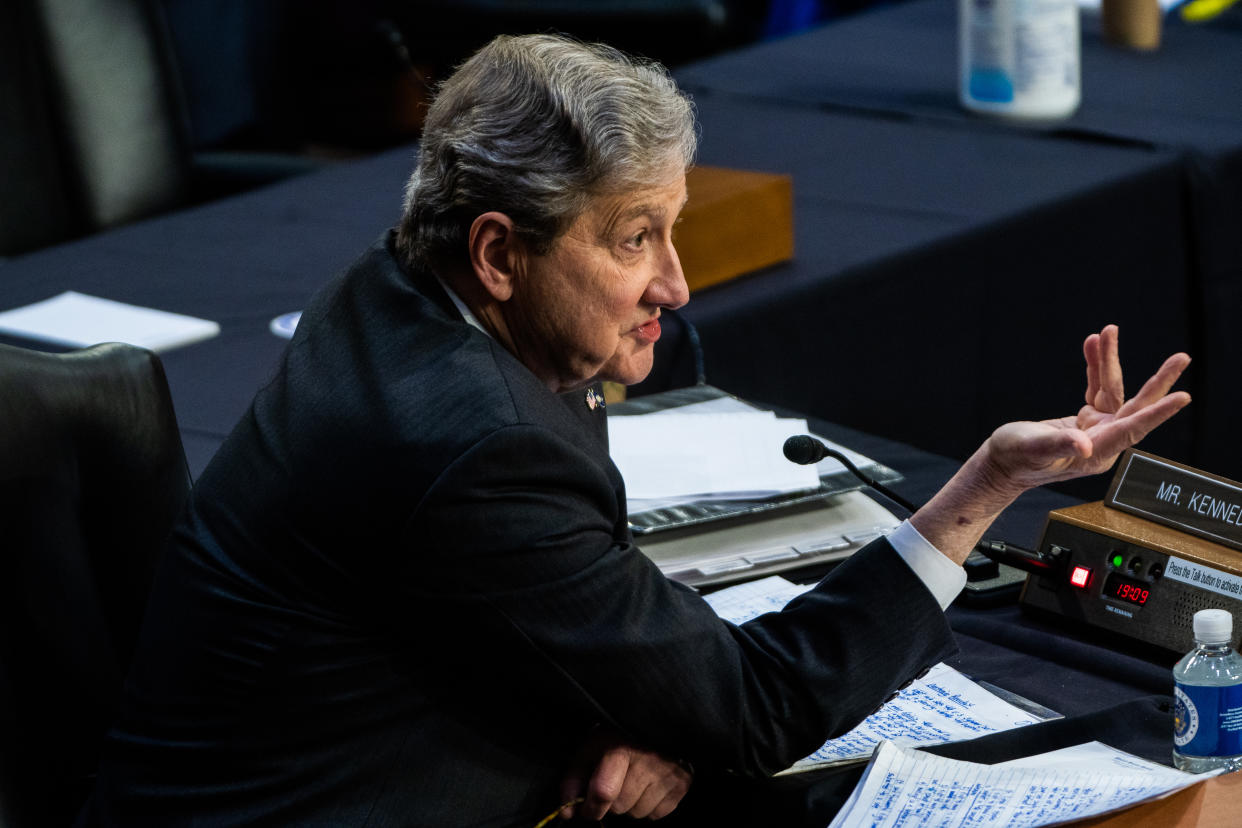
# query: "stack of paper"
x,y
715,456
714,450
78,321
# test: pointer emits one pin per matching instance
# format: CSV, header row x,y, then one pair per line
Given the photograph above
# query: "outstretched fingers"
x,y
1105,386
1158,385
1091,355
1113,437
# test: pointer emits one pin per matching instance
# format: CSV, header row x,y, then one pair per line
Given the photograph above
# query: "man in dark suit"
x,y
404,591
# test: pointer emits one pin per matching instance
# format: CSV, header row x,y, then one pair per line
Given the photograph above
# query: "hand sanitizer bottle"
x,y
1019,59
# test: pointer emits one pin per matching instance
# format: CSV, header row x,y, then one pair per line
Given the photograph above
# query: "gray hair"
x,y
535,127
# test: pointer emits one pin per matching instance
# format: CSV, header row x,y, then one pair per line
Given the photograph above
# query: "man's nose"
x,y
669,289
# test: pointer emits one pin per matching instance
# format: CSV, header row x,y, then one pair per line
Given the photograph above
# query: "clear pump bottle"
x,y
1207,689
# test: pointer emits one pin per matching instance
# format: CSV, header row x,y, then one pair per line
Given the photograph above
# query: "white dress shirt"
x,y
944,578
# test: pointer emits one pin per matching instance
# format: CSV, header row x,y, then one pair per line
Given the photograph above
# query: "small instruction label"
x,y
1205,577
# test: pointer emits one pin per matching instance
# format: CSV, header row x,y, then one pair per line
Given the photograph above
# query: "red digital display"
x,y
1125,589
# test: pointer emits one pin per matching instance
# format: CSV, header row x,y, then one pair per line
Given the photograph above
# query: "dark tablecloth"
x,y
1135,245
943,278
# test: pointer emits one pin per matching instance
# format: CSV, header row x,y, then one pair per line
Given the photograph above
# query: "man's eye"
x,y
637,240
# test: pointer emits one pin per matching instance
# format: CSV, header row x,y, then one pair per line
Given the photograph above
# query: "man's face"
x,y
589,309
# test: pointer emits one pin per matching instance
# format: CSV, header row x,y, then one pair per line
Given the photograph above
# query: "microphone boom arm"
x,y
806,450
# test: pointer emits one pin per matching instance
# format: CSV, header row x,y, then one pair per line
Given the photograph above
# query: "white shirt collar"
x,y
465,312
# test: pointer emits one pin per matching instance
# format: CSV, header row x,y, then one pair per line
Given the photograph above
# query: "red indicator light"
x,y
1080,576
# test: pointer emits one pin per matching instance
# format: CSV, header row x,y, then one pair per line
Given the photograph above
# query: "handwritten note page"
x,y
903,787
943,706
750,600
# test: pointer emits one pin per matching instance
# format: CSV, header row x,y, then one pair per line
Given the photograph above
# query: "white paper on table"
x,y
944,706
905,787
78,320
743,602
1088,755
715,455
727,405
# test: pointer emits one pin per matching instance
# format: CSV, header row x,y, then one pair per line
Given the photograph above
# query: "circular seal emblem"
x,y
1185,718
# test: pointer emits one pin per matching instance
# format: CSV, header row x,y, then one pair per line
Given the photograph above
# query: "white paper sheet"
x,y
904,787
1089,756
750,600
944,706
714,455
732,405
78,320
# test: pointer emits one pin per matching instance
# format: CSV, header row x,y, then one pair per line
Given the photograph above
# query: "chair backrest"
x,y
95,131
92,477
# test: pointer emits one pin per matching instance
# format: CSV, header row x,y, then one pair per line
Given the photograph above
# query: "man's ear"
x,y
495,254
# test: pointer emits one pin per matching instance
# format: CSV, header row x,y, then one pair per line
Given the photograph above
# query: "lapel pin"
x,y
594,399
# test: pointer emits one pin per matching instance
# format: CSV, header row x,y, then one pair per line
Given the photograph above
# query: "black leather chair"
x,y
92,476
94,124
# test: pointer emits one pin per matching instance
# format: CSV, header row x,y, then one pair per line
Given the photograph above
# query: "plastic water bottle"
x,y
1207,688
1019,59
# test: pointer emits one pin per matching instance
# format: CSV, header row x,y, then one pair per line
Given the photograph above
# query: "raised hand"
x,y
1029,454
1022,455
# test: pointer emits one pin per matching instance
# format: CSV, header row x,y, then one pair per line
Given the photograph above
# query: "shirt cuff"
x,y
943,578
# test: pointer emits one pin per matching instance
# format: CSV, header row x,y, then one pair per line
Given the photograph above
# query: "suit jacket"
x,y
404,591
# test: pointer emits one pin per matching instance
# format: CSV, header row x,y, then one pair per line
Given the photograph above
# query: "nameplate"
x,y
1178,496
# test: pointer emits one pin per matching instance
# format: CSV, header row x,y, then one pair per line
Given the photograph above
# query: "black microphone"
x,y
805,450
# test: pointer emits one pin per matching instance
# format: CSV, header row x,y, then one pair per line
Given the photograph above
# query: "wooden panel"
x,y
735,222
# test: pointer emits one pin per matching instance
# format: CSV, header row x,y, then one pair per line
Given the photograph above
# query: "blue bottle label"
x,y
1207,721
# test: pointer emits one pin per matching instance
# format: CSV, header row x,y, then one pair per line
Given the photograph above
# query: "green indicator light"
x,y
1117,561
